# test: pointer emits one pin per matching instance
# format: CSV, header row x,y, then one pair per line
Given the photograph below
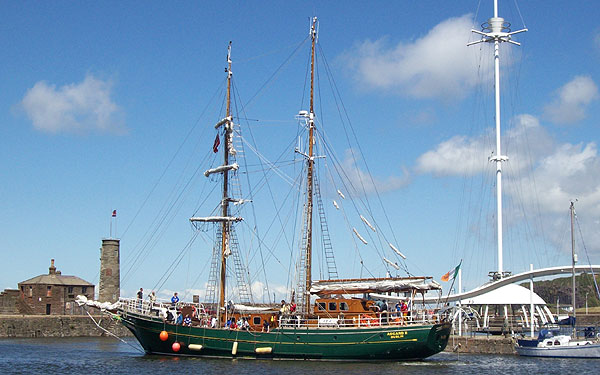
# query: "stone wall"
x,y
8,301
59,326
481,345
53,299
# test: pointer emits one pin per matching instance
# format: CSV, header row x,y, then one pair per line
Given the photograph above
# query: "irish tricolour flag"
x,y
452,273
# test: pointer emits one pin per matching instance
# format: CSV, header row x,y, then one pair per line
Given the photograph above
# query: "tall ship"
x,y
324,318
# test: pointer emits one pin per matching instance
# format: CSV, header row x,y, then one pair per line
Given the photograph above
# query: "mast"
x,y
310,169
573,261
496,31
225,202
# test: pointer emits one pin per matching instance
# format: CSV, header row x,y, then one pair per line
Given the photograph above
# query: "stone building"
x,y
110,280
54,293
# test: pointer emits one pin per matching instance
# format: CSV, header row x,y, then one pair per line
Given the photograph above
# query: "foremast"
x,y
496,31
224,220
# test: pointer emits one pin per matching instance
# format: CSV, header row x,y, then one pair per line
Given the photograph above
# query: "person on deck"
x,y
404,308
397,309
179,320
187,321
174,299
140,297
265,326
213,322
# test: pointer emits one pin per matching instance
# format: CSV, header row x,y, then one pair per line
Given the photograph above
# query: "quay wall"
x,y
59,326
481,345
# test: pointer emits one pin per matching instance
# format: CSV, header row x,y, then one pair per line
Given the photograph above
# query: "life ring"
x,y
365,320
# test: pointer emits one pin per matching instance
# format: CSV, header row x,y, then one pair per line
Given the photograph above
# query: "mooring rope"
x,y
110,333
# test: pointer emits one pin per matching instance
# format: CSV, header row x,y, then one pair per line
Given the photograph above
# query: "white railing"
x,y
345,320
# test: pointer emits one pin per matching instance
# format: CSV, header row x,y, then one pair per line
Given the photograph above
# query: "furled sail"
x,y
367,222
216,219
397,251
391,263
359,236
222,168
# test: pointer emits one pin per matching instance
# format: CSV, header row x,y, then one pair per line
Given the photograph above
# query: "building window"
x,y
70,289
49,291
30,291
83,289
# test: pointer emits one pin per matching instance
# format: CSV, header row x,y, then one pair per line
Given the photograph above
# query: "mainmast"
x,y
310,168
496,31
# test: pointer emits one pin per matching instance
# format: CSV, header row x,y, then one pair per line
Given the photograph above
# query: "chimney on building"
x,y
51,269
109,289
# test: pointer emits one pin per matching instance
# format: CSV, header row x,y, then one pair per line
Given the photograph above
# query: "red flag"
x,y
216,144
114,214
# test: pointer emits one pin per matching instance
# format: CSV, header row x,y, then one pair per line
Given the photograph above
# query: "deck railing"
x,y
342,320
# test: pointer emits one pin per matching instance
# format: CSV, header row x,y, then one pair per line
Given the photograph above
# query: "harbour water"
x,y
109,356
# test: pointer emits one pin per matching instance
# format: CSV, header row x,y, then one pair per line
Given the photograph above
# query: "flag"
x,y
114,214
216,144
452,273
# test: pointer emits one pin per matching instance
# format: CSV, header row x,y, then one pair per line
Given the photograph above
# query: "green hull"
x,y
410,342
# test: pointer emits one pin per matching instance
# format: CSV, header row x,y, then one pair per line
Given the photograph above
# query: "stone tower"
x,y
110,275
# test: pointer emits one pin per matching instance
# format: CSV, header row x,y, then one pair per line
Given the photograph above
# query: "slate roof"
x,y
55,279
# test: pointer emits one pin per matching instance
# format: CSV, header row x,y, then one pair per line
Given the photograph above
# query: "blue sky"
x,y
97,99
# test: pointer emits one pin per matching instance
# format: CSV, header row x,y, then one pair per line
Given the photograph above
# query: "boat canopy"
x,y
375,285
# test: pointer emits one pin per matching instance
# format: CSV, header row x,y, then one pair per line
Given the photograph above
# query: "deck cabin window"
x,y
332,306
549,343
556,342
321,306
256,320
344,306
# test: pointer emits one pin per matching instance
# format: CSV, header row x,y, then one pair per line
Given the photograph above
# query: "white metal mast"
x,y
496,31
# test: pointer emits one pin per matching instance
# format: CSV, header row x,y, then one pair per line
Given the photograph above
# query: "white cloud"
x,y
570,172
457,156
571,101
362,183
462,155
75,108
541,175
437,65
